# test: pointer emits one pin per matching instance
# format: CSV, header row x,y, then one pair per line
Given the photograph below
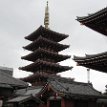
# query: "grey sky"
x,y
19,18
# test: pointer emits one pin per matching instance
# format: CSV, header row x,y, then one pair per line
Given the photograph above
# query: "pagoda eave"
x,y
54,70
43,54
46,33
54,48
44,43
40,64
37,76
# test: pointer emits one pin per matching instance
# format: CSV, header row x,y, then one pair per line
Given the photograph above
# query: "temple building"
x,y
98,22
9,84
45,48
97,62
58,92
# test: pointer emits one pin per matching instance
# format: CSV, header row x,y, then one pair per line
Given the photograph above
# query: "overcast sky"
x,y
19,18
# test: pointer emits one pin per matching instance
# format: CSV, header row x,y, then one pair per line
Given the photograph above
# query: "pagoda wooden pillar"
x,y
62,102
48,103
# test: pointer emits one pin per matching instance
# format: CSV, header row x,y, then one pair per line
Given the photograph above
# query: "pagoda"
x,y
45,48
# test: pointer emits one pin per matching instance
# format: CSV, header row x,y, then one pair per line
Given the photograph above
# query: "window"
x,y
55,103
81,104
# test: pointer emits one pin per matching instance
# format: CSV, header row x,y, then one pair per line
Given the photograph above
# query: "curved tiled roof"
x,y
45,55
11,81
55,36
27,94
96,61
34,67
96,21
45,43
72,88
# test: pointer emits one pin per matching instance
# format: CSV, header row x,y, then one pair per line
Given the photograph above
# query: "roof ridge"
x,y
94,89
93,14
62,79
70,80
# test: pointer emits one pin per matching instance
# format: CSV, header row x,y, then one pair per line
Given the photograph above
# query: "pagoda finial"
x,y
46,19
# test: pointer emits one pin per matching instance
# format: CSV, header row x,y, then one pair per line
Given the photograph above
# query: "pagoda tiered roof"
x,y
96,62
45,43
38,76
44,65
45,55
96,21
47,33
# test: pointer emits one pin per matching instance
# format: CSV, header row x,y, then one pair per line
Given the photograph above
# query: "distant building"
x,y
9,84
6,70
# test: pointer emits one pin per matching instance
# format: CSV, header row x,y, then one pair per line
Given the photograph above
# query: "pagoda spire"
x,y
46,19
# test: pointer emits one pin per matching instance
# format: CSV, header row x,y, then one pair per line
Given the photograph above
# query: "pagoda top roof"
x,y
96,21
96,61
47,33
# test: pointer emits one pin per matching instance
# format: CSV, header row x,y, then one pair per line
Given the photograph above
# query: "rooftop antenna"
x,y
46,19
88,75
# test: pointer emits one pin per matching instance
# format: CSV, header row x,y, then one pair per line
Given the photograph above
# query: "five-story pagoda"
x,y
45,55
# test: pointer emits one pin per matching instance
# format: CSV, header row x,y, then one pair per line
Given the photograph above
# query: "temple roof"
x,y
96,21
96,62
22,99
2,85
45,55
7,80
40,64
68,87
45,43
47,33
27,94
64,87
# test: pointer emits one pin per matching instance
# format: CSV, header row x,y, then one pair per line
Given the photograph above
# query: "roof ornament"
x,y
88,75
46,19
